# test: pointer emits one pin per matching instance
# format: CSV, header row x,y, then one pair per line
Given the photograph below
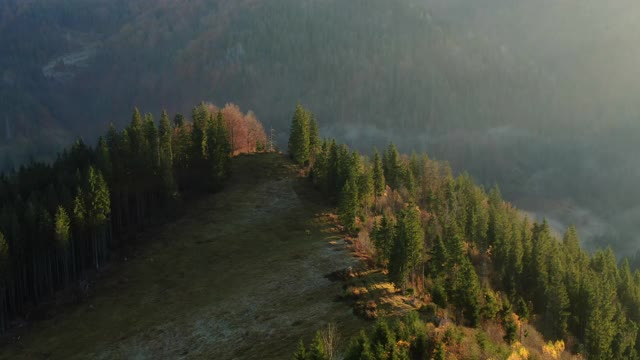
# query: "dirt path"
x,y
241,276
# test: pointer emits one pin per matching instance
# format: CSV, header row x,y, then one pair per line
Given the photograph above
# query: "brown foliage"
x,y
246,132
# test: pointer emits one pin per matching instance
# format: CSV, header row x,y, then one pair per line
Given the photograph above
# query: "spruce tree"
x,y
314,138
223,144
391,166
165,133
316,349
383,239
557,314
299,136
408,246
379,183
301,352
348,206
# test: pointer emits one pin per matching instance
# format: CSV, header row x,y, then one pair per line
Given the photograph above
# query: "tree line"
x,y
473,253
59,219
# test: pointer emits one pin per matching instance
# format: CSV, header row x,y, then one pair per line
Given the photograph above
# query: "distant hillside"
x,y
539,99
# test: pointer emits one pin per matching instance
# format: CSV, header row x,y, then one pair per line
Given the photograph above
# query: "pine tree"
x,y
439,257
540,266
200,115
360,348
299,136
320,171
223,144
178,121
317,350
466,291
165,133
62,225
301,352
391,166
314,138
557,314
348,207
379,183
153,145
408,246
365,188
383,239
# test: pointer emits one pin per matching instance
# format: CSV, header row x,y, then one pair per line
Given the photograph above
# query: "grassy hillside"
x,y
240,275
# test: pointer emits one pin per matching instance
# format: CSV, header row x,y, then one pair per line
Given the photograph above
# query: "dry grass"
x,y
239,276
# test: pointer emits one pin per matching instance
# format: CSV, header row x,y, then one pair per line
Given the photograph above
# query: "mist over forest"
x,y
540,97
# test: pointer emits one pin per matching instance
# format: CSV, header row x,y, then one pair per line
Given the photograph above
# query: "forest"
x,y
471,252
61,220
511,92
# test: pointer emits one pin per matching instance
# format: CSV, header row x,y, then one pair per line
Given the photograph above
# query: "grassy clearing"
x,y
240,275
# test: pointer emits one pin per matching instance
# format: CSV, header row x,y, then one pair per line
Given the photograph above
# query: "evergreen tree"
x,y
348,207
301,352
408,246
383,239
153,145
317,350
299,136
62,228
558,300
314,138
222,154
320,171
392,166
360,348
379,183
165,133
63,237
365,188
178,121
466,291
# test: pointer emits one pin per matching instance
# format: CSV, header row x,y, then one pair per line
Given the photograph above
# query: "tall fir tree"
x,y
379,183
314,138
407,251
348,206
299,148
165,134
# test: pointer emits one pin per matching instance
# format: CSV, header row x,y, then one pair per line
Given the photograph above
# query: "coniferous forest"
x,y
60,219
470,252
436,236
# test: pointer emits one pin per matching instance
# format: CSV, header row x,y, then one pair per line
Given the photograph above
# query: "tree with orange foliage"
x,y
245,131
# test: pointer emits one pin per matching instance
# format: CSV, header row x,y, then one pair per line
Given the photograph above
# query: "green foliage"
x,y
348,207
510,329
165,132
392,166
440,353
301,353
314,137
62,228
384,237
407,250
379,183
299,136
66,217
316,349
360,348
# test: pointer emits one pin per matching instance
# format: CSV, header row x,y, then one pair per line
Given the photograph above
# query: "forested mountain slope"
x,y
538,98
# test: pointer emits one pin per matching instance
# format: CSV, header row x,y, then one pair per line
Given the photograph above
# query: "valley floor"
x,y
239,276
